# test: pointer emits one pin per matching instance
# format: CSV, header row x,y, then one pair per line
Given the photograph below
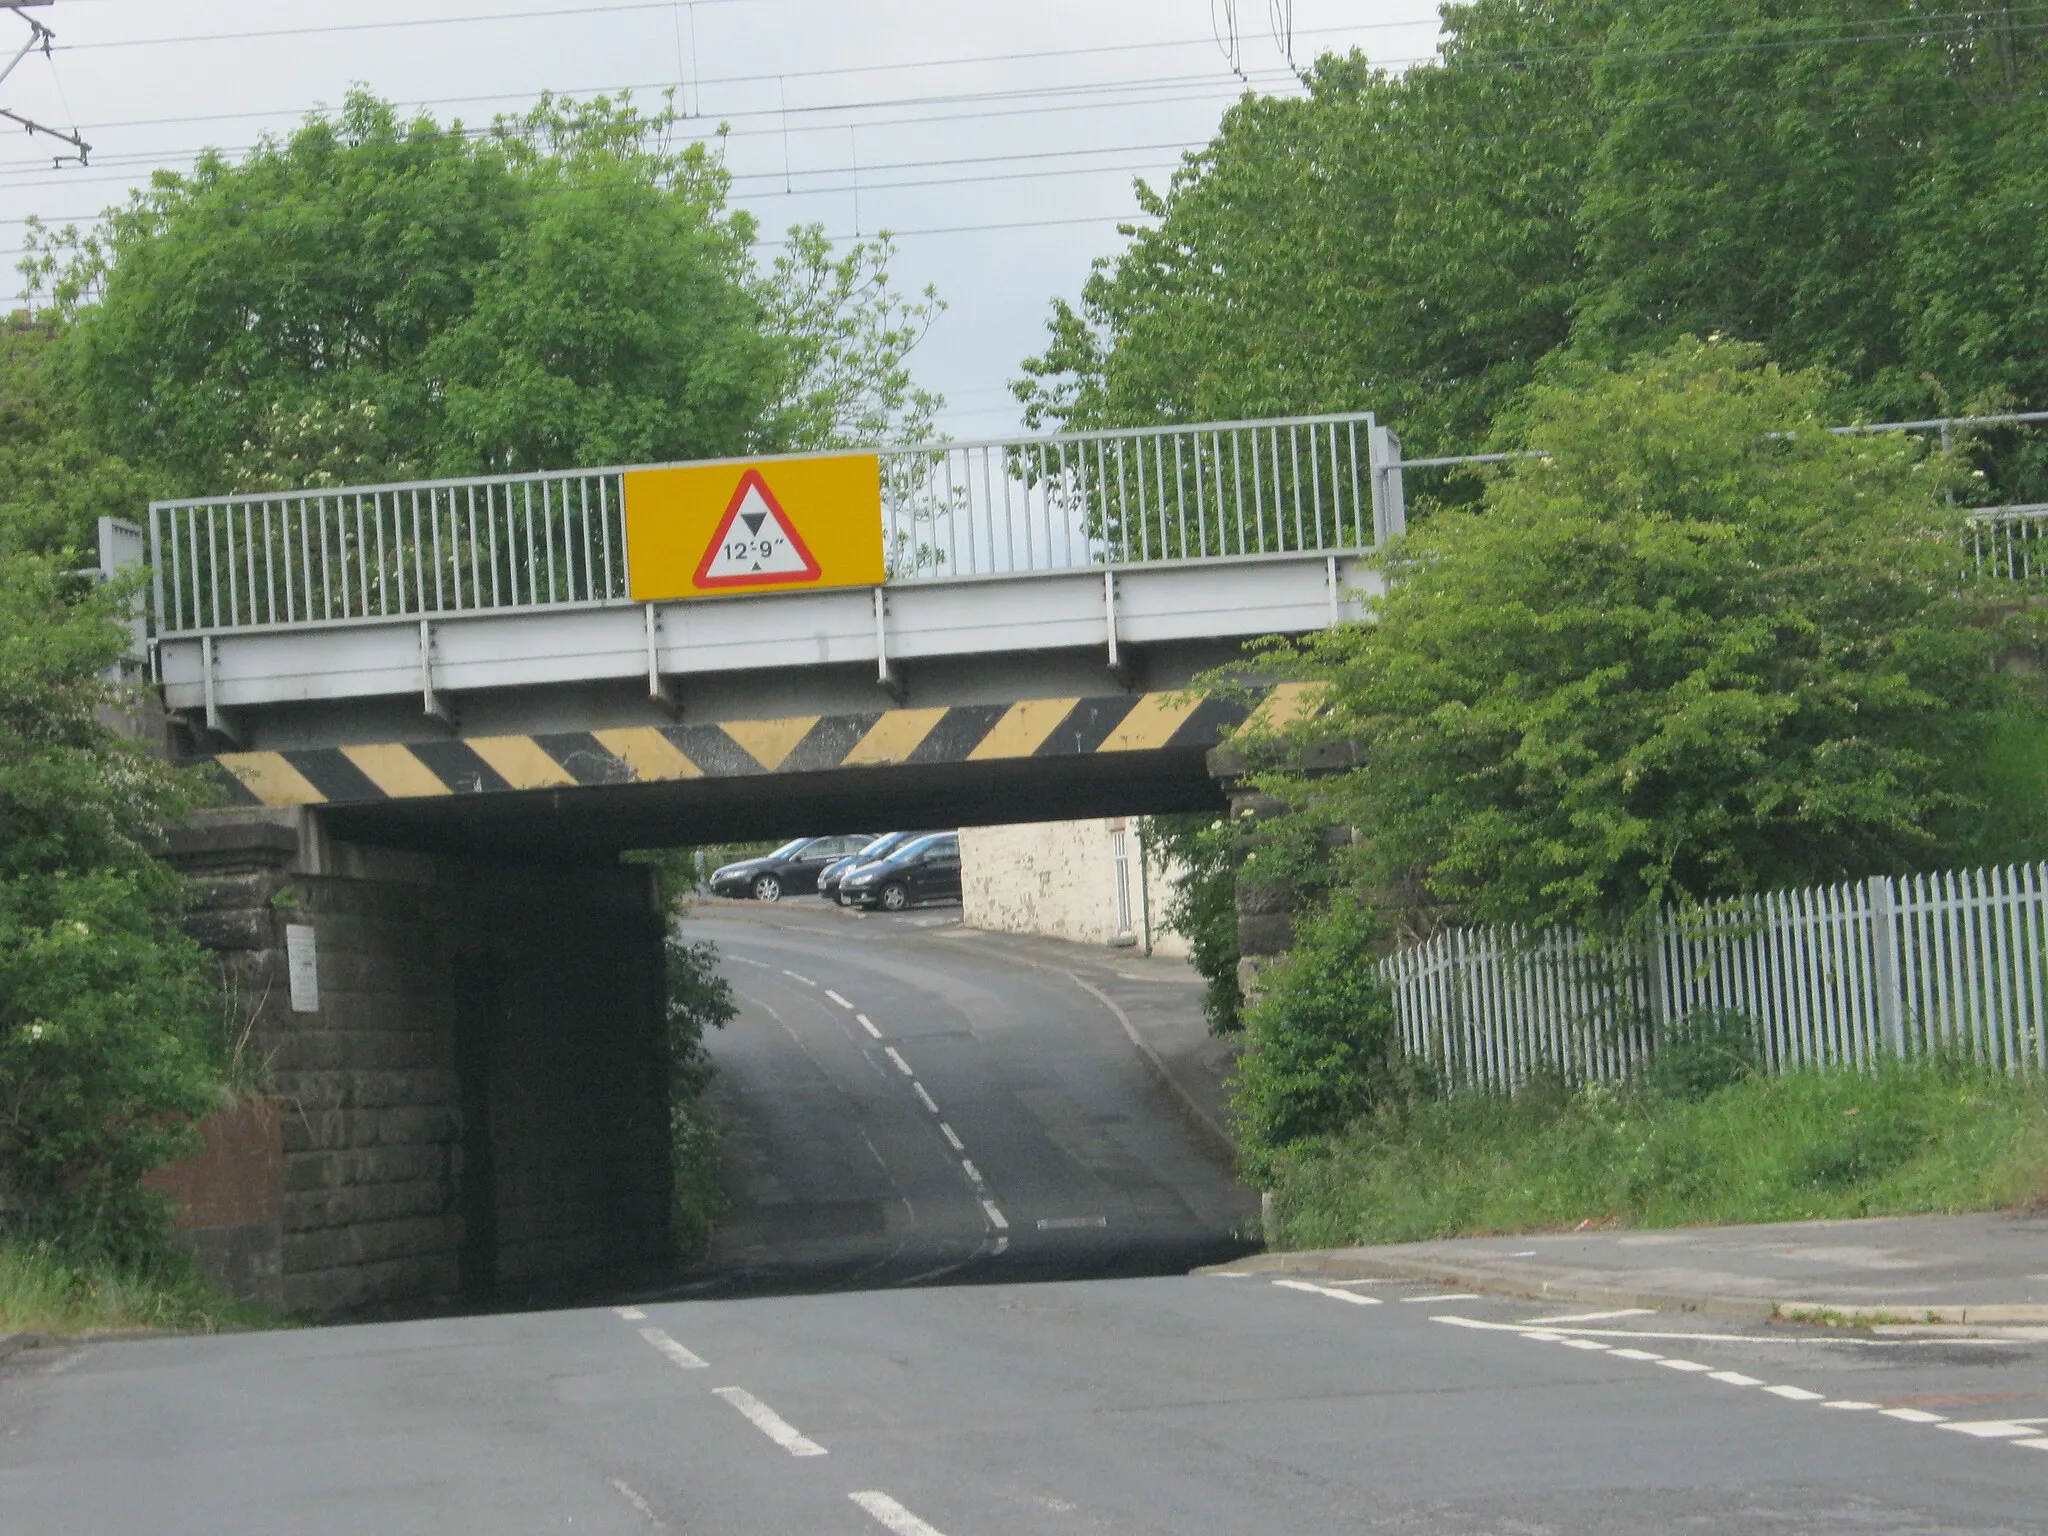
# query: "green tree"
x,y
108,1046
374,297
1705,647
1848,183
55,482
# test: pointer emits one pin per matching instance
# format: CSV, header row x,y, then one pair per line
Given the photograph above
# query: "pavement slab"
x,y
1986,1269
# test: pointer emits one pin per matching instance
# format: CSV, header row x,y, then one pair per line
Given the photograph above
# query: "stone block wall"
x,y
479,1099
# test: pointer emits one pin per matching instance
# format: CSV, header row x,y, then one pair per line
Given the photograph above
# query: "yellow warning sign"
x,y
779,525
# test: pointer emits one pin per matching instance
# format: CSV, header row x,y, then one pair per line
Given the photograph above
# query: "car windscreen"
x,y
790,850
916,846
881,845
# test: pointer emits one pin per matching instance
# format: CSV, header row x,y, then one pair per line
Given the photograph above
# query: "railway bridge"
x,y
437,712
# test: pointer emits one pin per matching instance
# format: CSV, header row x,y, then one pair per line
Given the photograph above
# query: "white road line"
x,y
1002,1247
1634,1354
1737,1379
842,1002
893,1516
868,1024
769,1422
792,975
922,1097
1000,1221
1796,1394
1452,1296
1851,1405
1586,1344
973,1173
668,1346
759,965
901,1065
1581,1317
1829,1342
1684,1365
1913,1415
630,1314
952,1137
2039,1444
640,1504
1334,1294
1991,1429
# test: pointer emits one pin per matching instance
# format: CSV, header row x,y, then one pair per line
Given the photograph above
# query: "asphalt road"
x,y
1171,1405
1195,1406
900,1107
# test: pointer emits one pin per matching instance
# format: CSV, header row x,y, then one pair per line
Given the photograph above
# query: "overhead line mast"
x,y
39,39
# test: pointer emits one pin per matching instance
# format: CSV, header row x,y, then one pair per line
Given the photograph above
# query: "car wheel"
x,y
894,897
767,888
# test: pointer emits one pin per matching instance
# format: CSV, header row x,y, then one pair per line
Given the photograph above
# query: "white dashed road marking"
x,y
630,1314
1452,1296
973,1173
640,1504
952,1137
1576,1317
1324,1290
868,1024
1913,1415
893,1516
668,1346
901,1065
995,1216
1070,1223
842,1002
922,1097
792,975
769,1422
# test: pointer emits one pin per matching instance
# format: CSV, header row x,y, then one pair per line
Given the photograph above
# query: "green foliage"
x,y
374,297
55,483
1851,184
1704,1052
1321,1047
697,999
1704,648
108,1049
1203,906
48,1288
2006,821
1926,1136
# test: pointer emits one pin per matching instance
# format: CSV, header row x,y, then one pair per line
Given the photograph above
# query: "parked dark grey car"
x,y
839,869
791,870
923,869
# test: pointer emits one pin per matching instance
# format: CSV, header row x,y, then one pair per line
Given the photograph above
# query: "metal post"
x,y
885,670
1389,495
1884,953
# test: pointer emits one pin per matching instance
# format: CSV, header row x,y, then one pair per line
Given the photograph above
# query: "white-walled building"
x,y
1077,880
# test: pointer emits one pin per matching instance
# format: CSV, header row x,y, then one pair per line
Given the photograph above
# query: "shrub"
x,y
1707,1050
1320,1044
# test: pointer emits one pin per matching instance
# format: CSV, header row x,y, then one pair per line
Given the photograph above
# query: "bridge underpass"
x,y
437,712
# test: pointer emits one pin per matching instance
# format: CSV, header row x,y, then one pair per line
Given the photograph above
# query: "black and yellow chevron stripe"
x,y
961,733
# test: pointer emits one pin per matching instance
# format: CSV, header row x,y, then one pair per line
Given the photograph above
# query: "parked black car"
x,y
791,870
923,869
839,869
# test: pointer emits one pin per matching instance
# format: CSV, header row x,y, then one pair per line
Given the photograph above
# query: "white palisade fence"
x,y
1838,975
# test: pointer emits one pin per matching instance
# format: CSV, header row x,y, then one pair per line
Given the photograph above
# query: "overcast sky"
x,y
999,139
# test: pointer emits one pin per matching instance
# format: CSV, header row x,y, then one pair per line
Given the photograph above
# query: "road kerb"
x,y
1542,1285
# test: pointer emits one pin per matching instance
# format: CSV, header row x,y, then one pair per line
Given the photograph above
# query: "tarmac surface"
x,y
904,1102
1273,1395
1974,1269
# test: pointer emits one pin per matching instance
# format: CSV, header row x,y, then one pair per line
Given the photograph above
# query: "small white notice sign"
x,y
302,960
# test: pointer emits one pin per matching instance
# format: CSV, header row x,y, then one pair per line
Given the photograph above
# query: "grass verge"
x,y
1919,1137
44,1291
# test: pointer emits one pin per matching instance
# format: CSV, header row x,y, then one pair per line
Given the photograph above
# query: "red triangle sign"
x,y
757,544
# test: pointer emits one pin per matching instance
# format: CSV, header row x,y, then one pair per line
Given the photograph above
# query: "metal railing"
x,y
389,551
1080,499
2009,543
1837,975
1007,505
